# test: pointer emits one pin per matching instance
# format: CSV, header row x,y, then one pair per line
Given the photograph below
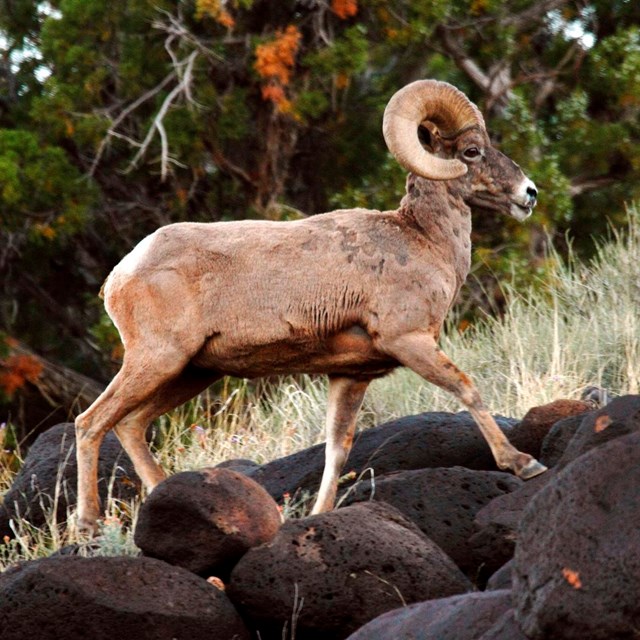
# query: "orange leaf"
x,y
214,9
226,19
182,195
273,92
275,59
572,577
463,325
18,370
44,230
602,422
341,81
274,62
344,8
9,382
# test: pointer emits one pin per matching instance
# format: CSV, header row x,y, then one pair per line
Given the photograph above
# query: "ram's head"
x,y
436,132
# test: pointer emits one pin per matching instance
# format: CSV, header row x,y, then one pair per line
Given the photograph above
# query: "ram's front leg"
x,y
419,352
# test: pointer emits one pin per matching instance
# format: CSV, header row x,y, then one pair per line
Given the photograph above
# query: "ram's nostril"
x,y
532,192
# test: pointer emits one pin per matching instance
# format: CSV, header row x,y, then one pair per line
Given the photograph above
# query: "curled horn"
x,y
438,102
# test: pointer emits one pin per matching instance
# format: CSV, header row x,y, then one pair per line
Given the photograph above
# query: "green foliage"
x,y
347,55
381,190
114,540
41,190
312,104
557,206
234,120
616,67
527,143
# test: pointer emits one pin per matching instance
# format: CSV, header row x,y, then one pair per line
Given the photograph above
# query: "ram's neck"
x,y
441,216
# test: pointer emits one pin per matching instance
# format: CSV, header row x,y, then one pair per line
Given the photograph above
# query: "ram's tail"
x,y
104,284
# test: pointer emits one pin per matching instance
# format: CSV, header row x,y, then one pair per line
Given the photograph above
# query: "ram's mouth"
x,y
520,211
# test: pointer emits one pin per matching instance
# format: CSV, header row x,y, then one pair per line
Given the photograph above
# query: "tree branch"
x,y
224,164
123,114
174,28
583,184
60,385
496,85
54,395
157,125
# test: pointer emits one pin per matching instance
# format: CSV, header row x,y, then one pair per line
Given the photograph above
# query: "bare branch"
x,y
183,71
584,184
495,84
157,124
10,245
165,150
123,114
127,139
547,80
174,27
224,164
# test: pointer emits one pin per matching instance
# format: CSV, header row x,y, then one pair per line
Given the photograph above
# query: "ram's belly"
x,y
350,352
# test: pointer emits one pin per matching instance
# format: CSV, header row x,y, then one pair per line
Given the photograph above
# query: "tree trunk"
x,y
54,394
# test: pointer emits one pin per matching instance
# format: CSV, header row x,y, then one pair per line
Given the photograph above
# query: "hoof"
x,y
532,469
87,527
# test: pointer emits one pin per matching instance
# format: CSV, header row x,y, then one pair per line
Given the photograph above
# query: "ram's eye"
x,y
472,153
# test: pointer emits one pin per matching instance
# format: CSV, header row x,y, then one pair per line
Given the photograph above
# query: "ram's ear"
x,y
429,136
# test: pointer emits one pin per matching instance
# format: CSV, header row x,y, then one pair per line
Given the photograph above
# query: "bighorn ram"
x,y
351,293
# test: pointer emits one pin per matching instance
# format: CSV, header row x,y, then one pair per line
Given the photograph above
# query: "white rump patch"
x,y
130,263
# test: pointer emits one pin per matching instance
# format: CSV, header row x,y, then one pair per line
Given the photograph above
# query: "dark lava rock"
x,y
427,440
47,480
442,502
529,434
508,507
105,598
620,417
339,570
577,566
501,579
491,548
241,465
496,526
463,617
558,438
506,628
206,520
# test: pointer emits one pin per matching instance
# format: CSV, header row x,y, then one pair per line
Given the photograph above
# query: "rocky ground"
x,y
431,543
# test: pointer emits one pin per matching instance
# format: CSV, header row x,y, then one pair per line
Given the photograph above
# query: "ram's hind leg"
x,y
345,400
132,429
131,386
133,390
419,352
